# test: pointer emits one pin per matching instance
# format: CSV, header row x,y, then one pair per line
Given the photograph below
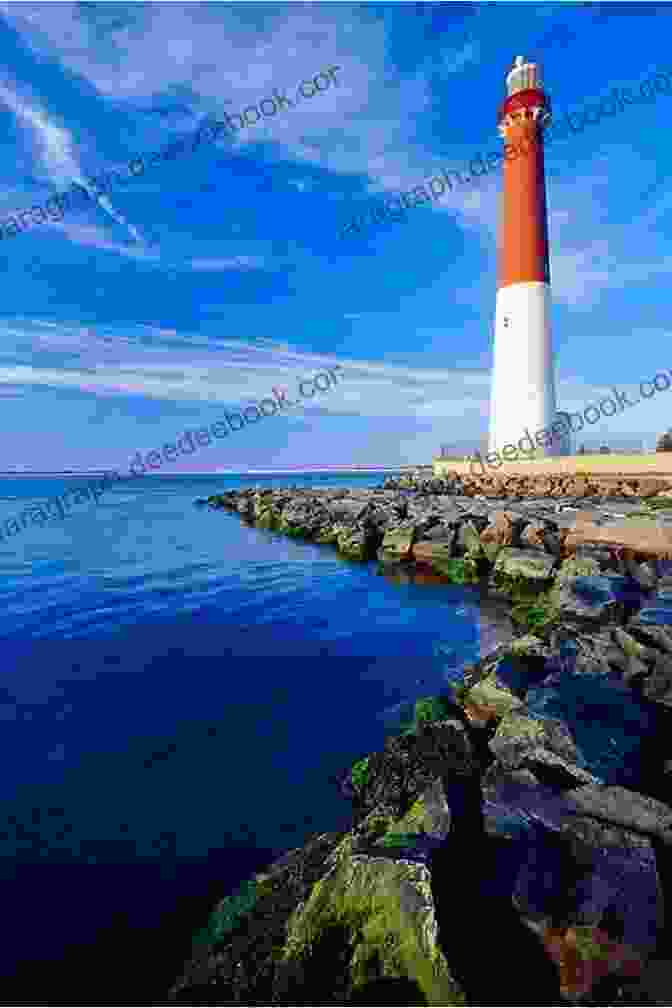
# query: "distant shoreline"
x,y
250,472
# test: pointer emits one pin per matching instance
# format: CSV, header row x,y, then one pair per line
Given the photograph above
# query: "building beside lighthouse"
x,y
523,382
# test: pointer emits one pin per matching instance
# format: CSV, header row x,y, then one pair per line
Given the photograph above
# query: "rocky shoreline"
x,y
513,844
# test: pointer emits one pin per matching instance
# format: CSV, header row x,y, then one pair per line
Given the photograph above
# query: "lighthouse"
x,y
523,384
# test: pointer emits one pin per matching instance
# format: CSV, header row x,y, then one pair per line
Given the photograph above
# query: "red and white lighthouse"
x,y
523,384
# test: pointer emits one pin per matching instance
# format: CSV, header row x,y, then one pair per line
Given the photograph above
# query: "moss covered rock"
x,y
528,645
383,912
576,567
396,545
527,564
266,517
492,694
354,543
469,540
519,726
437,555
429,814
327,536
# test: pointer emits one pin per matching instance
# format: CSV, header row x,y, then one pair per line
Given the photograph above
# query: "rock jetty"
x,y
513,844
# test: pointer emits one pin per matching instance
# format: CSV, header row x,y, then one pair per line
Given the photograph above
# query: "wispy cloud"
x,y
55,157
221,265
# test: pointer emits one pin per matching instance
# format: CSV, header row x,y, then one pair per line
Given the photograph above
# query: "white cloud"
x,y
55,155
230,372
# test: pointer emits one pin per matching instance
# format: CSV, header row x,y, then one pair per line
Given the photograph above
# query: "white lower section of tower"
x,y
523,383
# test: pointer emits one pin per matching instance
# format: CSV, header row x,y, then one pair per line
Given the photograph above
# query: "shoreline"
x,y
614,466
524,812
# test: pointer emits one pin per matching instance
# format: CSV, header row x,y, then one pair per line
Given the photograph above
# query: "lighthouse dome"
x,y
523,76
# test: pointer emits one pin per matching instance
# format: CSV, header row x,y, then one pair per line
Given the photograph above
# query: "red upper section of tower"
x,y
529,98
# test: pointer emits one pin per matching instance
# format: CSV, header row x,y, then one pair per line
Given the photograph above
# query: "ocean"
x,y
179,692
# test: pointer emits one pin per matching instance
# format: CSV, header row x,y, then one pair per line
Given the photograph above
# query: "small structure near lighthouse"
x,y
523,382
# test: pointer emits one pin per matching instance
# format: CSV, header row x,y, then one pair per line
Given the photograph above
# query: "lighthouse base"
x,y
522,409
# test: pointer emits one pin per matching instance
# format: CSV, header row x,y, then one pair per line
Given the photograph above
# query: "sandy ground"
x,y
658,463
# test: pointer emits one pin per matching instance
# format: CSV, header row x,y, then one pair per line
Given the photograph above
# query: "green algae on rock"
x,y
359,773
533,565
385,910
573,567
493,694
397,544
354,543
438,556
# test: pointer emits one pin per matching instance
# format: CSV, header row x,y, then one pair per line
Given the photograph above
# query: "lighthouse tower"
x,y
523,385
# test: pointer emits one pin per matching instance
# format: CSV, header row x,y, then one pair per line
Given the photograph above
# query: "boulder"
x,y
244,507
644,574
303,519
491,697
266,518
607,722
534,535
495,487
630,666
429,814
442,532
449,513
468,539
627,489
575,868
347,509
658,685
602,556
397,543
499,532
356,543
577,487
384,517
655,636
240,968
410,763
576,567
436,555
529,564
585,955
531,743
618,805
419,831
265,510
632,647
651,487
542,486
639,536
586,598
328,535
380,914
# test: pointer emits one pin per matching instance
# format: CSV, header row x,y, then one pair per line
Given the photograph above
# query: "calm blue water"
x,y
178,692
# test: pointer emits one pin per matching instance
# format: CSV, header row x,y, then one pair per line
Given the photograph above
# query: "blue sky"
x,y
209,280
